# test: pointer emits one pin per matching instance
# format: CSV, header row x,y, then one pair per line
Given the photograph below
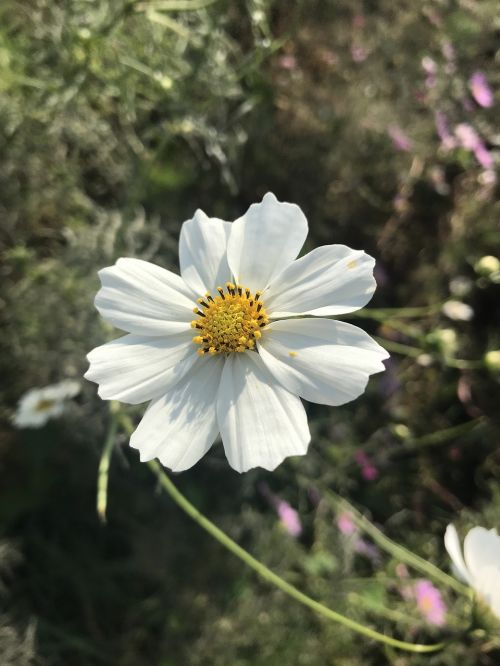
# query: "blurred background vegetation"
x,y
118,119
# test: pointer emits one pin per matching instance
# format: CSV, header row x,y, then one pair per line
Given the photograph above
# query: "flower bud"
x,y
445,339
487,266
492,360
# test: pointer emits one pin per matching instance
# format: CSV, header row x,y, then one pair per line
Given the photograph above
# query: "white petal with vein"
x,y
181,426
454,549
330,280
261,423
481,550
264,241
202,253
145,299
323,361
137,368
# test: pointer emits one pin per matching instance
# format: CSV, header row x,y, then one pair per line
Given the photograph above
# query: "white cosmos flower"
x,y
479,566
239,366
39,405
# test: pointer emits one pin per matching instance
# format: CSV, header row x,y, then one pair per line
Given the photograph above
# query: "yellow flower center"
x,y
229,322
44,405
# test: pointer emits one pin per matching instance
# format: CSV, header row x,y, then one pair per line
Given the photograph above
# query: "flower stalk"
x,y
273,578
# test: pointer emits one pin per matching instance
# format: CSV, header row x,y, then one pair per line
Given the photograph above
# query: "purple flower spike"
x,y
481,90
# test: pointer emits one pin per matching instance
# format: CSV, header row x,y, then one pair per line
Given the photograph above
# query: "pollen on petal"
x,y
352,264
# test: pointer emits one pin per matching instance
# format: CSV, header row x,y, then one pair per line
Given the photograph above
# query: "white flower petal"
x,y
261,423
481,550
144,299
323,361
264,241
454,549
203,253
137,368
487,584
330,280
181,426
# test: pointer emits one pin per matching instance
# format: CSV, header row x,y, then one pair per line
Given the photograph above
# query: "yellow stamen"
x,y
230,321
44,405
292,354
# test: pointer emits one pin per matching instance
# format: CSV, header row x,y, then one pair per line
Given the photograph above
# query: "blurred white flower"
x,y
39,405
479,566
457,311
251,357
461,286
425,360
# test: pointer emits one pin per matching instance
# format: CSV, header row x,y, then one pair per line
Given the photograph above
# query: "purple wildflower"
x,y
346,524
448,141
430,602
429,65
368,471
367,549
287,61
289,518
358,53
400,140
481,90
470,140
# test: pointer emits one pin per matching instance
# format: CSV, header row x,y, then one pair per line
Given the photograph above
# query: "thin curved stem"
x,y
385,313
395,549
415,352
273,578
103,471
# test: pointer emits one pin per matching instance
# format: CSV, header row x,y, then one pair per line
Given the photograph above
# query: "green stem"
x,y
273,578
394,549
415,352
103,471
463,364
385,313
398,348
435,438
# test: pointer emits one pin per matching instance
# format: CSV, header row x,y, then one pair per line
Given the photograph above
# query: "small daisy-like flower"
x,y
479,566
231,345
39,405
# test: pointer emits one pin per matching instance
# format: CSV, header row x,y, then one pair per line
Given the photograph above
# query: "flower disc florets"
x,y
229,322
